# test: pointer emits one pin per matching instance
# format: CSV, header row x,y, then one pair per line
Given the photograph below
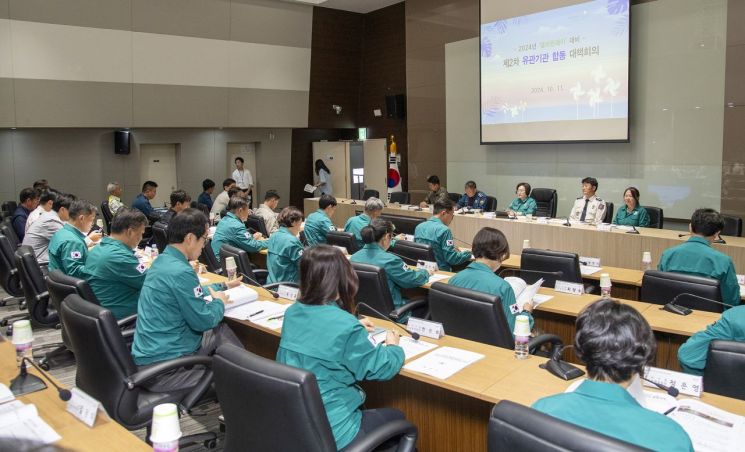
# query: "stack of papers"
x,y
434,278
265,313
238,296
22,422
525,293
411,347
587,270
444,362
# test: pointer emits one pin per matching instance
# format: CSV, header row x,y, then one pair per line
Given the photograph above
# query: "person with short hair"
x,y
378,236
615,342
67,248
46,199
221,201
472,198
243,179
373,209
322,335
490,249
324,178
436,233
142,201
523,204
284,247
697,257
231,230
267,213
208,186
180,200
319,223
115,197
173,318
114,273
436,191
41,185
693,353
632,214
29,201
588,208
42,230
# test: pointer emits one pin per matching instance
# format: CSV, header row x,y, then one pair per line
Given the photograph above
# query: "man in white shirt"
x,y
243,178
41,232
221,202
45,205
267,213
588,208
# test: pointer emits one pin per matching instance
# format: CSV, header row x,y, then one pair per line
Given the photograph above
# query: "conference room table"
x,y
106,434
451,414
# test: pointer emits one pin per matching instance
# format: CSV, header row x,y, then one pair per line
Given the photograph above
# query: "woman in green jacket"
x,y
632,214
284,248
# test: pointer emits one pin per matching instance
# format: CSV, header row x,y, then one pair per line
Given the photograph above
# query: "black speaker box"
x,y
396,106
121,142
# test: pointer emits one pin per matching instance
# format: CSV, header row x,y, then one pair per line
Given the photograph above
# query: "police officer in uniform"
x,y
67,249
232,230
318,224
435,232
588,208
284,248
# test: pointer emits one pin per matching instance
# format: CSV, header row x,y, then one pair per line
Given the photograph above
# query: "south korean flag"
x,y
450,242
198,292
76,254
141,268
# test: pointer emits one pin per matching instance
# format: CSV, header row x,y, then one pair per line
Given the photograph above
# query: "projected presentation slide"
x,y
555,75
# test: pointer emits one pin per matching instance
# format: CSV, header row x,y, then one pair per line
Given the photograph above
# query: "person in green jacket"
x,y
322,335
373,209
377,237
285,248
173,317
633,214
523,204
114,272
730,327
490,248
67,248
697,257
319,223
435,232
615,343
231,230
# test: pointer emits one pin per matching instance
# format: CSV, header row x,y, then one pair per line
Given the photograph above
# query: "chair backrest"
x,y
6,228
516,427
107,215
209,259
373,289
732,226
656,217
160,235
609,208
8,208
370,193
412,252
256,223
9,277
61,285
404,225
546,200
546,263
34,287
725,366
242,261
491,204
455,197
468,314
344,239
282,410
401,197
661,287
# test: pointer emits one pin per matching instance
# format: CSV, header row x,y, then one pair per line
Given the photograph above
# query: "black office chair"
x,y
491,204
209,259
9,278
550,265
656,217
546,200
725,366
477,316
403,224
256,223
243,265
370,193
608,218
732,226
343,239
401,197
412,252
107,215
661,287
282,409
160,235
6,228
8,208
374,291
107,372
516,427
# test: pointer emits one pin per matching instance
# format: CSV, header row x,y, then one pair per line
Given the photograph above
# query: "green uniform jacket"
x,y
317,225
637,217
172,313
697,257
479,277
332,344
68,252
116,276
730,327
231,231
609,409
527,207
434,232
283,260
355,225
399,275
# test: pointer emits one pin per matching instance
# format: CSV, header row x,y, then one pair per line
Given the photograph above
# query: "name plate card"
x,y
541,220
84,407
433,330
691,385
427,265
605,227
570,288
288,292
590,261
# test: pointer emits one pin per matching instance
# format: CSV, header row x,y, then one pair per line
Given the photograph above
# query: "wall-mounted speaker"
x,y
121,142
395,106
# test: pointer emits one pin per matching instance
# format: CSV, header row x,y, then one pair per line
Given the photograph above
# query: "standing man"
x,y
243,179
115,197
267,211
435,232
142,201
588,208
473,198
29,200
208,186
221,201
67,249
436,191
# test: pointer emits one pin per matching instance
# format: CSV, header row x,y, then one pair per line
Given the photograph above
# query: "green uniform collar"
x,y
364,216
699,239
108,241
232,215
480,267
72,228
171,251
323,212
606,391
375,246
436,220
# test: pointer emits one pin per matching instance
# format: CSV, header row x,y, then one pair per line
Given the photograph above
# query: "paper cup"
x,y
522,326
231,272
646,257
529,216
99,223
605,280
165,427
22,333
526,244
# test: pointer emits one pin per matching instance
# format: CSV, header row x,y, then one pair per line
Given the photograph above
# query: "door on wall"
x,y
334,155
376,166
158,164
248,152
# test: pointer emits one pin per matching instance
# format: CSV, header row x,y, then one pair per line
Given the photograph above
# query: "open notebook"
x,y
525,293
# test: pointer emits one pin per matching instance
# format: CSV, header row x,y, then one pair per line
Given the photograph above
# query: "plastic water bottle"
x,y
646,261
605,286
153,252
522,336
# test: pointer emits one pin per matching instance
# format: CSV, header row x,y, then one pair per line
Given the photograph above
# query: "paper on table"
x,y
411,347
309,188
257,310
24,422
587,270
203,280
436,277
524,292
710,428
5,394
444,362
539,299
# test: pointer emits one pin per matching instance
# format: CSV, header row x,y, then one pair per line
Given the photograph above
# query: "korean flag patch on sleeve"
x,y
141,268
300,253
76,254
449,242
514,309
248,235
198,292
406,267
332,228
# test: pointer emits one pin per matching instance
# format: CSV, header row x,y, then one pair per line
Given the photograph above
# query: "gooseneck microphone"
x,y
274,294
719,240
683,235
671,391
26,383
561,369
405,258
567,223
633,230
682,310
414,335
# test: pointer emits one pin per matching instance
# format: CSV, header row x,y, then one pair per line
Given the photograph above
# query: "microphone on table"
x,y
683,235
463,242
561,369
719,240
405,258
273,293
671,390
633,230
567,223
682,310
26,383
414,335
